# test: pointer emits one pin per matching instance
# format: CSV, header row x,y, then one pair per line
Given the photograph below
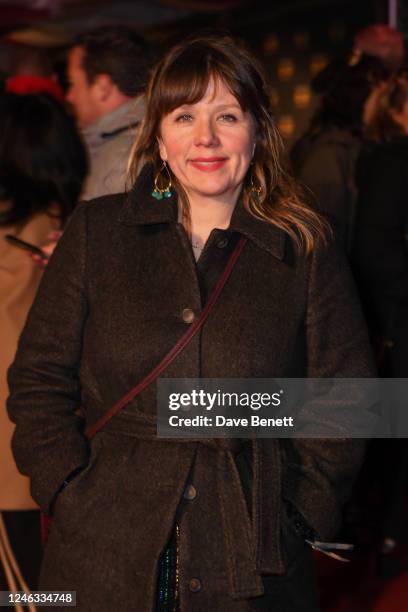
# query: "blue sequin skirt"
x,y
168,578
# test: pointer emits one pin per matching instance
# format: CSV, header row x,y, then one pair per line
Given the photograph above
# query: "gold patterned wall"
x,y
295,58
294,55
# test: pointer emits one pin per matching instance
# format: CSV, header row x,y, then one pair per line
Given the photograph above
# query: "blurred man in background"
x,y
107,70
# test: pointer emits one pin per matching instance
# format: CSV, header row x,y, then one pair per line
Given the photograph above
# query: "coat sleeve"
x,y
319,473
44,388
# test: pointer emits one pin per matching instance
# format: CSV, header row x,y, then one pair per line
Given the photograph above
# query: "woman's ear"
x,y
162,149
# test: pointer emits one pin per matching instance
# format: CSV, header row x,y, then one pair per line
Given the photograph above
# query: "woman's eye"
x,y
185,117
228,118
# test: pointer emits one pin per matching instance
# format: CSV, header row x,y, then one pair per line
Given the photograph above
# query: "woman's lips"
x,y
208,164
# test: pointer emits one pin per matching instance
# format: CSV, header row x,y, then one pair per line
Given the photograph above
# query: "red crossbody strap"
x,y
177,348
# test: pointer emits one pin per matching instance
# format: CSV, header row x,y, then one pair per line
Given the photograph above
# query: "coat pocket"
x,y
69,501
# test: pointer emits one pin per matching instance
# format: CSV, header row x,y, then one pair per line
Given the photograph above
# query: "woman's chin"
x,y
214,191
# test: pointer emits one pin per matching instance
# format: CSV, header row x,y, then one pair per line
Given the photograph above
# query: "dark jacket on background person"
x,y
380,264
112,303
324,161
380,253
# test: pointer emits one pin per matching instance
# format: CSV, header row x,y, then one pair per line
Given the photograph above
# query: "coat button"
x,y
188,315
222,243
194,585
190,492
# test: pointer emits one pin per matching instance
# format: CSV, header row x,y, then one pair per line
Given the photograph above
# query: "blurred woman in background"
x,y
42,168
380,252
380,263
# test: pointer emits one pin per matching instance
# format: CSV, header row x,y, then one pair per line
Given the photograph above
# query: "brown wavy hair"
x,y
383,126
182,77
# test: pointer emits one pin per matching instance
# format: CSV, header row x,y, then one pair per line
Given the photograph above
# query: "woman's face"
x,y
209,145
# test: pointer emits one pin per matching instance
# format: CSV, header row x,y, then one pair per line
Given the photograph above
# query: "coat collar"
x,y
140,208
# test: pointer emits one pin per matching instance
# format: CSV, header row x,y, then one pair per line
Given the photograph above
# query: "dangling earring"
x,y
255,191
159,193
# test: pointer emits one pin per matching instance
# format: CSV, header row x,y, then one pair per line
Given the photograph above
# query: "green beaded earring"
x,y
255,191
159,193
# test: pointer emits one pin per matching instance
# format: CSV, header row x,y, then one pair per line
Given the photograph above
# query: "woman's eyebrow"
x,y
187,106
232,105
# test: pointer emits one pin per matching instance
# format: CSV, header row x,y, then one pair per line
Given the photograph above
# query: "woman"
x,y
147,524
324,159
42,167
380,252
380,262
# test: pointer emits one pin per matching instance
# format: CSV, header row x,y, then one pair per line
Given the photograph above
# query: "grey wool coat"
x,y
109,307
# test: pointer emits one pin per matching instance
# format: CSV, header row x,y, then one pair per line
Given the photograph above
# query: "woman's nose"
x,y
205,133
